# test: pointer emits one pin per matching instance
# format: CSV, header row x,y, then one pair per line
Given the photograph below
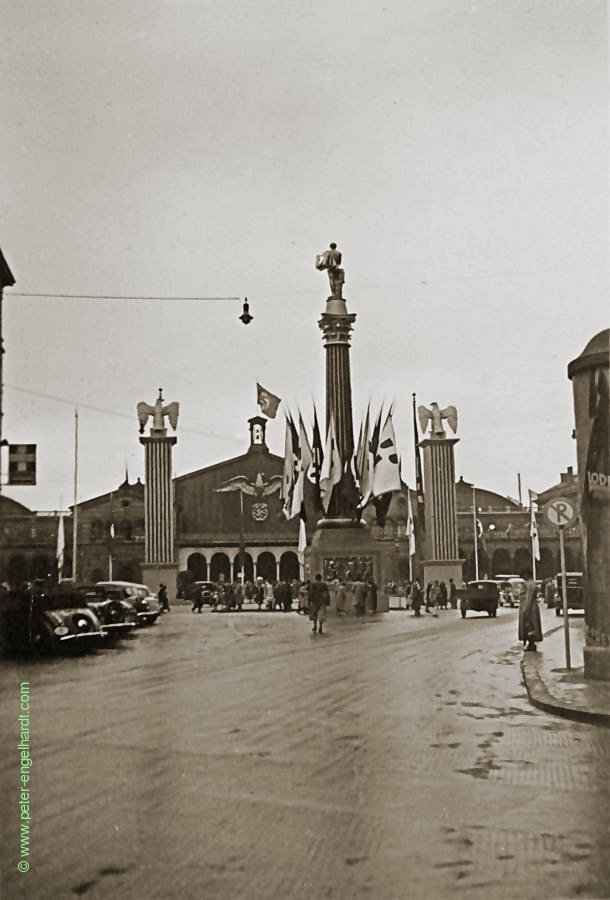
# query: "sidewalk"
x,y
558,690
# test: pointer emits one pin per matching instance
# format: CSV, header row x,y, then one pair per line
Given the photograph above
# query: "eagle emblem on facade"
x,y
158,413
257,488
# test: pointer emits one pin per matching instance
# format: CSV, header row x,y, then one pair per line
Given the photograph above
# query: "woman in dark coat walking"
x,y
530,626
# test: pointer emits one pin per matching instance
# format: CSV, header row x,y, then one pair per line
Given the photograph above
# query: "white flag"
x,y
410,525
302,466
534,527
331,467
61,545
386,470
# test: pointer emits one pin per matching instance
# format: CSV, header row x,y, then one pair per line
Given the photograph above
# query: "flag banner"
x,y
382,504
371,455
410,525
331,467
302,542
419,480
303,461
22,464
267,401
363,471
291,465
317,452
61,546
386,470
534,527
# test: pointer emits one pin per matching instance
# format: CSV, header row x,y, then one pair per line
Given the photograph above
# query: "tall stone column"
x,y
336,325
442,556
159,560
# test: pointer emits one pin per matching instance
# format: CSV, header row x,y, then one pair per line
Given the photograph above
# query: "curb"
x,y
539,696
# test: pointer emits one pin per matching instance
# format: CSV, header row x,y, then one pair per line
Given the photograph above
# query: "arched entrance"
x,y
266,566
501,562
16,570
197,566
523,560
248,567
545,567
289,566
39,567
219,566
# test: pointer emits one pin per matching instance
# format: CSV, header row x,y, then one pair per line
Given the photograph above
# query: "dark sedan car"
x,y
479,596
146,605
117,616
46,619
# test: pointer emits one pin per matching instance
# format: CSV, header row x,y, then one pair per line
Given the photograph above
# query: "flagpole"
x,y
476,535
110,540
75,508
533,534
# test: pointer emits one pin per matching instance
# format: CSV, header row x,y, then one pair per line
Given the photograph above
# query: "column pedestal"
x,y
159,565
442,558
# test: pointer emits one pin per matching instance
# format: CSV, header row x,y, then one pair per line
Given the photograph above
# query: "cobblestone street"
x,y
239,755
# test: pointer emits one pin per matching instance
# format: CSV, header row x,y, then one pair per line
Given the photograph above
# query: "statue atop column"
x,y
331,261
158,413
435,416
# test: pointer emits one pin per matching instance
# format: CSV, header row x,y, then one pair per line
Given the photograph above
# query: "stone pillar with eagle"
x,y
159,567
442,556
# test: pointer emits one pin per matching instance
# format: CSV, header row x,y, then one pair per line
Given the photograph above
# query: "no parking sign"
x,y
560,512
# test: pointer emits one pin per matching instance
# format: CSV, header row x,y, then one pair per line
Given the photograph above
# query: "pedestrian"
x,y
269,595
248,591
238,593
220,597
435,593
416,597
319,598
197,599
163,598
359,589
452,594
443,596
530,626
428,589
371,597
549,594
340,597
259,593
303,606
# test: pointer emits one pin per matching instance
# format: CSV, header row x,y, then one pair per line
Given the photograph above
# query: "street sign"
x,y
560,512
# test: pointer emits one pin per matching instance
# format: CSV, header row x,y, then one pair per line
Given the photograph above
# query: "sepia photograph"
x,y
304,336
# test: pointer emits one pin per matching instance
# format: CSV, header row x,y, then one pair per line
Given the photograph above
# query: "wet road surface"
x,y
239,755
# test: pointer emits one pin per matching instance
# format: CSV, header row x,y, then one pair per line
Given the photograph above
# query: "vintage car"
x,y
510,587
479,596
200,593
147,606
43,619
574,592
117,616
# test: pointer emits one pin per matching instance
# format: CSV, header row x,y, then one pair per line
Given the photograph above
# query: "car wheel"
x,y
463,611
152,620
558,612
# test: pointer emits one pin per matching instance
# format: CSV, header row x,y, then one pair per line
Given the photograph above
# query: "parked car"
x,y
146,605
574,591
46,619
116,614
479,596
511,587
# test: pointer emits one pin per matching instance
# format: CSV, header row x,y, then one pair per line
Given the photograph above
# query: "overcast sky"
x,y
455,151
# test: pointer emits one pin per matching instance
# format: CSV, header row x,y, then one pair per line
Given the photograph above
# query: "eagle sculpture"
x,y
158,412
257,488
436,416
